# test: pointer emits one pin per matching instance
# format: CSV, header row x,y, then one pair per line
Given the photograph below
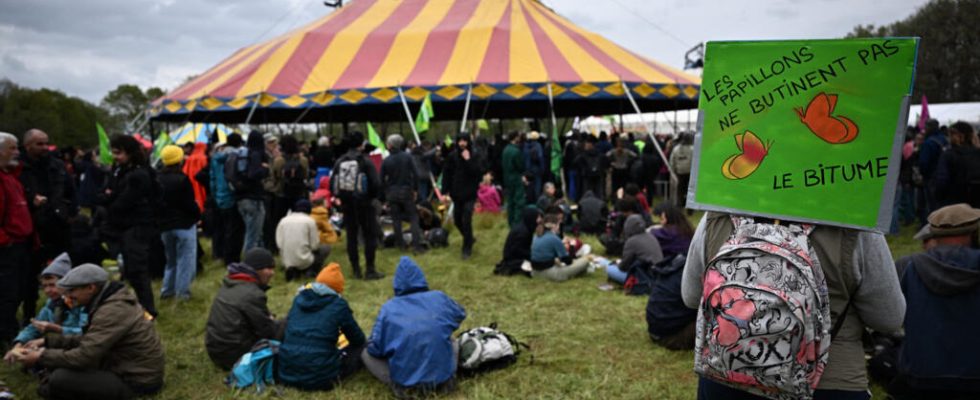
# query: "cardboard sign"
x,y
803,130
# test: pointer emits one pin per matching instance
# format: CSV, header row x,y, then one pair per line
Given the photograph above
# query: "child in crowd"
x,y
57,316
488,198
321,215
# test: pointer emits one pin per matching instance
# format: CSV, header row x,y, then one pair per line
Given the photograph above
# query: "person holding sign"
x,y
798,160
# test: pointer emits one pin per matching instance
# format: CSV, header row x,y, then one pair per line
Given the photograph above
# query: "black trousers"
x,y
55,237
360,218
593,183
463,218
401,204
217,233
234,233
89,384
14,261
135,247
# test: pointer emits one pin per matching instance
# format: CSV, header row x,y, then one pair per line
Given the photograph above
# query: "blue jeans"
x,y
253,214
616,275
180,247
709,390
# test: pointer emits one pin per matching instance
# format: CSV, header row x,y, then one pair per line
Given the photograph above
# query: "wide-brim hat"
x,y
954,220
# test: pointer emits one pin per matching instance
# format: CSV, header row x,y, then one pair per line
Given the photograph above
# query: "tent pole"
x,y
554,139
653,139
466,109
251,112
415,132
408,114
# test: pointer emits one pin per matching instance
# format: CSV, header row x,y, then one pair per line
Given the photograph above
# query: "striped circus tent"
x,y
199,133
509,58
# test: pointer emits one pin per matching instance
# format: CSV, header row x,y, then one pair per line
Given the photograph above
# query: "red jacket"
x,y
15,219
194,164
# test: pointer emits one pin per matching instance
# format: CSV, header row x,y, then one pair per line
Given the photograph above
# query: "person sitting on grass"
x,y
411,347
549,255
239,315
56,317
298,239
487,197
640,247
118,357
321,214
517,247
674,232
322,343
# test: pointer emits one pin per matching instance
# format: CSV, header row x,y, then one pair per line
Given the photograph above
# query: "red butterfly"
x,y
832,129
753,151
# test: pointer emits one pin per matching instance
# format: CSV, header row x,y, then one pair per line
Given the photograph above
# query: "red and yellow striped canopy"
x,y
364,52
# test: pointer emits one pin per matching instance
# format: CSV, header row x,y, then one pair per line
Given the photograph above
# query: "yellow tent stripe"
x,y
525,60
344,47
233,70
270,68
471,45
624,57
407,46
588,68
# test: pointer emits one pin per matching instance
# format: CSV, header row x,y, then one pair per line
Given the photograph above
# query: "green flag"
x,y
555,151
425,114
449,140
158,145
105,155
374,138
482,125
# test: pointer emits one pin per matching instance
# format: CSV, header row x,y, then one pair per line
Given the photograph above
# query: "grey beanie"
x,y
59,267
259,258
85,274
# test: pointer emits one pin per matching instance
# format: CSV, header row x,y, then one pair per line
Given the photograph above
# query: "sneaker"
x,y
373,276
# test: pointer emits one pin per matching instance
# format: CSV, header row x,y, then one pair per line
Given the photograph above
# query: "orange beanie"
x,y
332,277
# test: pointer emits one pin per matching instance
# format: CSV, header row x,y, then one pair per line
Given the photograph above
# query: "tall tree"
x,y
948,60
127,102
67,120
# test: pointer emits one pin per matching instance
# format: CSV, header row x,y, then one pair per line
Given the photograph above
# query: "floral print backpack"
x,y
764,321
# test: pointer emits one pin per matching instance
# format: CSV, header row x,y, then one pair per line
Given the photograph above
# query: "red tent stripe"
x,y
677,78
438,48
297,69
375,47
229,88
189,89
559,70
496,61
600,56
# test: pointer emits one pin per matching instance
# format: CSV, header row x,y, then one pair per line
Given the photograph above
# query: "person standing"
x,y
177,220
513,168
130,215
592,168
535,163
400,180
48,190
620,160
681,157
932,148
289,172
461,180
957,177
16,229
355,185
250,168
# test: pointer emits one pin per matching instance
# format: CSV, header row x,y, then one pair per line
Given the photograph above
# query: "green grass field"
x,y
585,343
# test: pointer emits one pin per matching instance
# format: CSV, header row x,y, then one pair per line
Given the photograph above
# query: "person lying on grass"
x,y
411,347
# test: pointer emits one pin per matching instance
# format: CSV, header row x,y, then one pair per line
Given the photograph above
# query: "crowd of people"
x,y
263,195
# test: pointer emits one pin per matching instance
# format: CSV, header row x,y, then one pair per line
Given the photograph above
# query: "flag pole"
x,y
248,120
554,132
411,124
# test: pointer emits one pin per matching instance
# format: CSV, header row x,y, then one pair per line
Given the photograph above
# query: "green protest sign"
x,y
804,130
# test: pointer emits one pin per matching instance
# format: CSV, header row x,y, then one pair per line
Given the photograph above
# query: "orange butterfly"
x,y
742,165
817,117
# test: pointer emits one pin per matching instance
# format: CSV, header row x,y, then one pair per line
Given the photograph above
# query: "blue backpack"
x,y
256,368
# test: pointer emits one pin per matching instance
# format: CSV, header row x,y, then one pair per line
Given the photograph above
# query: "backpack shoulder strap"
x,y
718,228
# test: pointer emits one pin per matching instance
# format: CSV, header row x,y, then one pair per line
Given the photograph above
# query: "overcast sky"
x,y
86,48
